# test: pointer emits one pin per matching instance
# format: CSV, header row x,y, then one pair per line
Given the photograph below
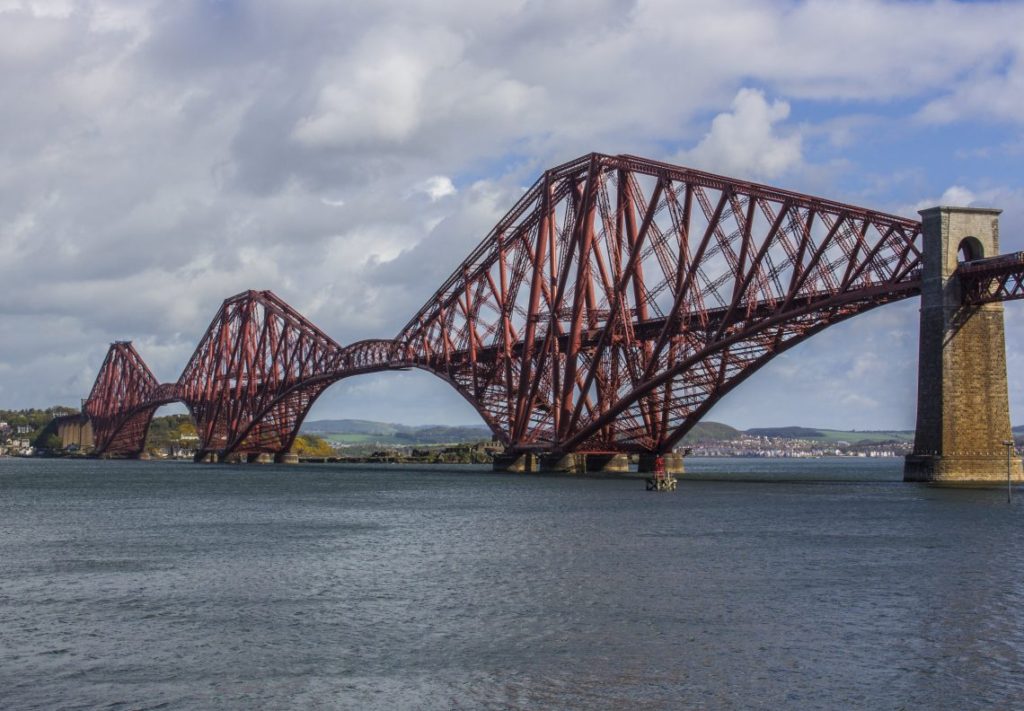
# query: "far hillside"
x,y
827,436
355,432
711,432
786,432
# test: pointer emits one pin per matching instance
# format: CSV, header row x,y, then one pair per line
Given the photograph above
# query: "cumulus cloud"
x,y
953,196
376,93
436,187
998,95
745,141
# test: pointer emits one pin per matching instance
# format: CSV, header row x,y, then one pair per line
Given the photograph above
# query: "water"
x,y
167,585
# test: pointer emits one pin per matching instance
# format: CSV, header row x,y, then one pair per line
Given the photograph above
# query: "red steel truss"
x,y
249,383
258,370
121,404
994,279
621,298
616,302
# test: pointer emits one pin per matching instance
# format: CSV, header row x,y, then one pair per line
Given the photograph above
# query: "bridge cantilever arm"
x,y
870,294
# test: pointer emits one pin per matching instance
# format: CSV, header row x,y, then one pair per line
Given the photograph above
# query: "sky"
x,y
158,157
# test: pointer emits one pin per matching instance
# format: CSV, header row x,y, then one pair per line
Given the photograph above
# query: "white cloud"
x,y
958,196
745,142
436,187
953,196
376,93
995,95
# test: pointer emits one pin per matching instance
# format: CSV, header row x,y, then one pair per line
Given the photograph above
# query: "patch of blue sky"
x,y
886,143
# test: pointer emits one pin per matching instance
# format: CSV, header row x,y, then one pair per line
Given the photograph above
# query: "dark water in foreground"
x,y
163,585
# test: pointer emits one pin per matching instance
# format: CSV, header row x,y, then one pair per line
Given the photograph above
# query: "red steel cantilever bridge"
x,y
616,302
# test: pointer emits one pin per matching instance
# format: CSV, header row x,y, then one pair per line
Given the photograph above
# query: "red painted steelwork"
x,y
122,401
994,279
258,370
621,298
616,302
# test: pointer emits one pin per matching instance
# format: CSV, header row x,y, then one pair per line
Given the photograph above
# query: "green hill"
x,y
786,432
851,436
710,432
370,432
861,436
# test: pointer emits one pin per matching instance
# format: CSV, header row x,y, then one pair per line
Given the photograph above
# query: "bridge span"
x,y
617,301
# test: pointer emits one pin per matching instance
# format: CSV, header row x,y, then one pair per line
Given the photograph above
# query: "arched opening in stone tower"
x,y
970,249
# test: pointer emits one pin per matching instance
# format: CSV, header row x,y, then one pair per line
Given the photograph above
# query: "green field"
x,y
817,434
342,439
855,437
400,439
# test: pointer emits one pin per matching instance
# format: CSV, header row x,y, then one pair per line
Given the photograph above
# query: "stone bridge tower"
x,y
963,417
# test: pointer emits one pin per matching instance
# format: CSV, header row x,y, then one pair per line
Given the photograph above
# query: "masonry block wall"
x,y
963,414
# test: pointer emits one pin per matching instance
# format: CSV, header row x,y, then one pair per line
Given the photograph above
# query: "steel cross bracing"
x,y
122,401
616,302
621,298
258,370
998,278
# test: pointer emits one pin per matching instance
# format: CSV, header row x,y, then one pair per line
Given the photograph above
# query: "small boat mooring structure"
x,y
661,481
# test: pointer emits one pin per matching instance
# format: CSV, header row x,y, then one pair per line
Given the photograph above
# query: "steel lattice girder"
x,y
994,279
616,302
621,297
120,405
257,372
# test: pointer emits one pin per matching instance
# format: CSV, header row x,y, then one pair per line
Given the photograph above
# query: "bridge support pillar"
x,y
565,463
963,414
516,462
673,463
608,463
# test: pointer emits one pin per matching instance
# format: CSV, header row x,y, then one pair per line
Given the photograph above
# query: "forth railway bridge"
x,y
608,311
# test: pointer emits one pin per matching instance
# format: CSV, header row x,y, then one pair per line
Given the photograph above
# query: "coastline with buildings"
x,y
61,431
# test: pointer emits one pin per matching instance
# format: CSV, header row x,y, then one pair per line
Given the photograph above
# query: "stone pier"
x,y
963,415
572,463
673,463
517,462
608,463
563,463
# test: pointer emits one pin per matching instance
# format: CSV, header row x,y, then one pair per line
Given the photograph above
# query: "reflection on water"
x,y
185,586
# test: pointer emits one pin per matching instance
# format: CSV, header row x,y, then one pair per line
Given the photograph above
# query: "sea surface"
x,y
821,584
